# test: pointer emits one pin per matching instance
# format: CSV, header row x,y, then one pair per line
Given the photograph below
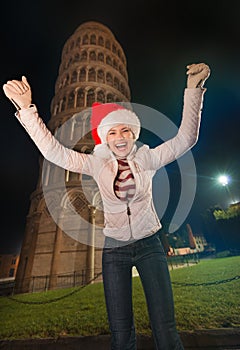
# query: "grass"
x,y
83,313
209,306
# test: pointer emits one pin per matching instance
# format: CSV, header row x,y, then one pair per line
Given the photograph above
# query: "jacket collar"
x,y
103,151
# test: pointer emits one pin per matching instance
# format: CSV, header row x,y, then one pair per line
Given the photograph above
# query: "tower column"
x,y
24,272
55,263
91,249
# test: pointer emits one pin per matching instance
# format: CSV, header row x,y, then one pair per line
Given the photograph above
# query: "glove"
x,y
19,93
197,75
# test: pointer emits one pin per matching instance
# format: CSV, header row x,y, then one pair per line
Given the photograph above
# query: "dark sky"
x,y
159,39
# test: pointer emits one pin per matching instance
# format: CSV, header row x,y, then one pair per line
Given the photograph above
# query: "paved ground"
x,y
224,339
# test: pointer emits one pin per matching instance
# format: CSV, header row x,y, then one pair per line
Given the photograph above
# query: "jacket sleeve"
x,y
187,134
49,146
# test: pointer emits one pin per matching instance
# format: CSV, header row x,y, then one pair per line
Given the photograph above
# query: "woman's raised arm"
x,y
188,131
19,93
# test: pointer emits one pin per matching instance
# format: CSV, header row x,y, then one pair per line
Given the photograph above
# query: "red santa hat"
x,y
107,115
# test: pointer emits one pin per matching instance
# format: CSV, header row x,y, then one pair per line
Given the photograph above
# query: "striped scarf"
x,y
124,185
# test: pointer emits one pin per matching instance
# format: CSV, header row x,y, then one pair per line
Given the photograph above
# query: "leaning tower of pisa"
x,y
93,68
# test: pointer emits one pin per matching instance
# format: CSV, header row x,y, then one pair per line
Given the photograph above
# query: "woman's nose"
x,y
120,135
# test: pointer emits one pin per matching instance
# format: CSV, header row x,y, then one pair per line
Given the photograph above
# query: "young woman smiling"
x,y
124,176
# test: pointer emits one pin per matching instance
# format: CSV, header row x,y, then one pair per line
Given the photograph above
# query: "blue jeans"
x,y
149,258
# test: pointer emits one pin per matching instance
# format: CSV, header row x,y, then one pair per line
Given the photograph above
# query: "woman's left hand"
x,y
197,75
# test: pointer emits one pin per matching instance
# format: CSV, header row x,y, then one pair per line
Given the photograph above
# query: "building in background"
x,y
8,266
93,68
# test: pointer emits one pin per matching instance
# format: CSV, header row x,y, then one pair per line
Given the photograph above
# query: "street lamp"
x,y
223,180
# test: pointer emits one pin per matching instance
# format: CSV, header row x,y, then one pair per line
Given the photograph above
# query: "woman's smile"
x,y
120,139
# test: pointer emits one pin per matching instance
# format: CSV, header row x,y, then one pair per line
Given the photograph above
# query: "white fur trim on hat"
x,y
121,116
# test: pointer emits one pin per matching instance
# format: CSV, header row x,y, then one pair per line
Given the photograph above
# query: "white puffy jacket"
x,y
138,218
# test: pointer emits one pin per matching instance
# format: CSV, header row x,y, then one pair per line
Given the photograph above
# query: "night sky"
x,y
159,39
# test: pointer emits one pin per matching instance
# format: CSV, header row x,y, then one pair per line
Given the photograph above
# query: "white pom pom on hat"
x,y
107,115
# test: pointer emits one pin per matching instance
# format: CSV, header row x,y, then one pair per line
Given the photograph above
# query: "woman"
x,y
124,176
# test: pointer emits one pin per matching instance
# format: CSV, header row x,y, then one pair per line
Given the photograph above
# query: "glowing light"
x,y
223,180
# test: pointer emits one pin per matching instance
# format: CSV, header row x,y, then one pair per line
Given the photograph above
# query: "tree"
x,y
231,212
223,227
211,229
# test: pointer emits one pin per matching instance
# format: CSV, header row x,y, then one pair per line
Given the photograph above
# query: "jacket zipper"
x,y
129,220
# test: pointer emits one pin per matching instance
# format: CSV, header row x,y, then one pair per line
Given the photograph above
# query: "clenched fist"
x,y
18,92
197,75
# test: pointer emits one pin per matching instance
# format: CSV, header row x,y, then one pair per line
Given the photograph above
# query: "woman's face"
x,y
120,139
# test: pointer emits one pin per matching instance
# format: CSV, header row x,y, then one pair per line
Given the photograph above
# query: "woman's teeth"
x,y
121,145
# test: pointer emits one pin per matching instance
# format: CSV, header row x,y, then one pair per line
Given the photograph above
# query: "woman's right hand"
x,y
197,73
19,92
